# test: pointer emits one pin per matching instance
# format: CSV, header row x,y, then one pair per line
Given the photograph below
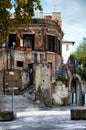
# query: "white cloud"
x,y
73,16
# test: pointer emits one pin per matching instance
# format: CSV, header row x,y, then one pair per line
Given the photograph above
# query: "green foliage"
x,y
81,52
73,56
82,46
82,73
61,78
4,19
82,56
23,12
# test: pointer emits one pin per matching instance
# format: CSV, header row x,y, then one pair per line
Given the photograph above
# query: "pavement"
x,y
33,116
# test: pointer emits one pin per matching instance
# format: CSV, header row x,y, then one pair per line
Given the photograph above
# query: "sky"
x,y
73,16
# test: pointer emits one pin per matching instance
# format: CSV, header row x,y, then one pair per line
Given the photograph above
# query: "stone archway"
x,y
76,91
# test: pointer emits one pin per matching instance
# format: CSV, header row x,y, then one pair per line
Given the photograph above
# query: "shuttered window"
x,y
50,43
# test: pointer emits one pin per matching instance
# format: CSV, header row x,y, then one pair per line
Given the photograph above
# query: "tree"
x,y
80,52
80,57
82,46
22,10
4,19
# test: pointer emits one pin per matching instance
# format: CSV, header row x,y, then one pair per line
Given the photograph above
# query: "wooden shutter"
x,y
55,44
46,42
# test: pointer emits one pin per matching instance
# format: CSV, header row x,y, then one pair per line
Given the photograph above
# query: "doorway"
x,y
31,74
12,39
76,92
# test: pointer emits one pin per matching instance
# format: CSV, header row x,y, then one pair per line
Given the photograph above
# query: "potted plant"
x,y
29,47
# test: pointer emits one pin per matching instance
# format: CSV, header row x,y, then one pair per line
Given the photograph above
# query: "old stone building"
x,y
27,46
33,55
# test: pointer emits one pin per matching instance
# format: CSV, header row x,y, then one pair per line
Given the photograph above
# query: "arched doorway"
x,y
76,92
73,92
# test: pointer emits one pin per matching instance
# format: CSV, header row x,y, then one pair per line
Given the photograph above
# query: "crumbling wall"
x,y
43,84
13,79
25,78
47,92
37,76
59,93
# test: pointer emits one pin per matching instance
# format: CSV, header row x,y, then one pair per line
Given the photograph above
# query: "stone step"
x,y
21,103
61,70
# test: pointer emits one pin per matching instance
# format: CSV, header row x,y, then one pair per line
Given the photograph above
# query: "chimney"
x,y
57,17
41,15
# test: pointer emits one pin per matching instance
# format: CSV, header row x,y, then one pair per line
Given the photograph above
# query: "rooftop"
x,y
68,41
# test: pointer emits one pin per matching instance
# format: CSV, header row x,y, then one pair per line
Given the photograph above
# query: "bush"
x,y
82,73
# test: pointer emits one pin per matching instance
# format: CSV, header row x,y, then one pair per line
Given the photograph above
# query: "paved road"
x,y
44,120
31,116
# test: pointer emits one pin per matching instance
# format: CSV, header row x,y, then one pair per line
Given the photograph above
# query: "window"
x,y
19,63
53,44
50,43
28,40
67,47
58,47
35,58
12,39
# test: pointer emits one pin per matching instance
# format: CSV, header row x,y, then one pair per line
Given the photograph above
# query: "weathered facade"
x,y
38,43
38,48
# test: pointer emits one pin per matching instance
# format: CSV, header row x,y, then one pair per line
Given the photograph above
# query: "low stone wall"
x,y
6,115
78,114
13,79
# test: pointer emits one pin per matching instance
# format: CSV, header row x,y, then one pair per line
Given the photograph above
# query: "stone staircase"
x,y
61,70
21,103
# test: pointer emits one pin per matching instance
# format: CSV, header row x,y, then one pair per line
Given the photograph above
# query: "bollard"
x,y
13,99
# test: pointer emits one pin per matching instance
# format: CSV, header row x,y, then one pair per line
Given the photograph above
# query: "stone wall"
x,y
13,79
43,84
48,92
59,93
25,78
42,76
